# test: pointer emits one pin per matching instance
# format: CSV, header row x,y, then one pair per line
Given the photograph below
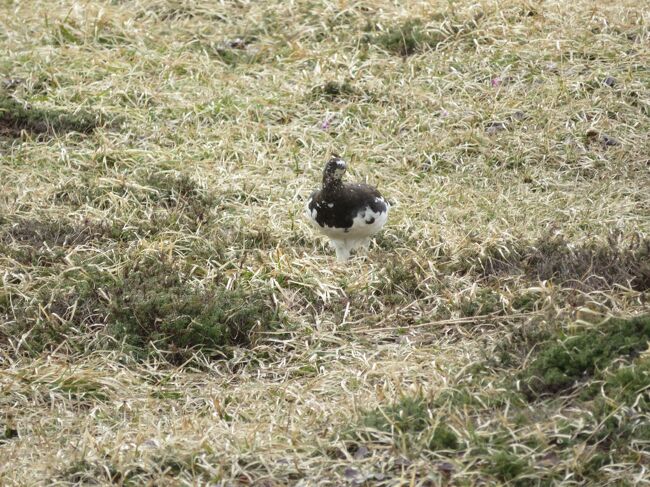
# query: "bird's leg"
x,y
358,243
342,251
351,244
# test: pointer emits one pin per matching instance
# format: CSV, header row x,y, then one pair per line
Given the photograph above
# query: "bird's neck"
x,y
332,185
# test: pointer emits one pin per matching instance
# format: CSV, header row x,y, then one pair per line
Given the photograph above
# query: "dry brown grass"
x,y
512,137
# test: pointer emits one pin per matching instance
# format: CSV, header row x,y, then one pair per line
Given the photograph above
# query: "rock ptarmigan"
x,y
349,214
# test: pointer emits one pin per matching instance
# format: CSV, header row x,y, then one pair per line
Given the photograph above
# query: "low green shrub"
x,y
559,365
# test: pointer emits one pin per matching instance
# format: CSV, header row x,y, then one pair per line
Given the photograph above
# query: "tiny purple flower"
x,y
325,124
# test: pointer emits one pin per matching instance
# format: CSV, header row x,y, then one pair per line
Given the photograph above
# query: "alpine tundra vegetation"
x,y
169,317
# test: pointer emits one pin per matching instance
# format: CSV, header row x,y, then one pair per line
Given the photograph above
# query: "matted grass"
x,y
168,318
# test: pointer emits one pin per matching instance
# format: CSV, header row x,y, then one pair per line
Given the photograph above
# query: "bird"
x,y
348,213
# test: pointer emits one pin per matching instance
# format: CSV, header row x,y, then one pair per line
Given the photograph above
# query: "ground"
x,y
167,317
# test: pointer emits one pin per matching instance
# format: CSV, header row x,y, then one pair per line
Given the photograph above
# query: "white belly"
x,y
360,229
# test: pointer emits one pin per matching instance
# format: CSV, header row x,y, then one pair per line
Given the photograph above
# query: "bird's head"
x,y
334,170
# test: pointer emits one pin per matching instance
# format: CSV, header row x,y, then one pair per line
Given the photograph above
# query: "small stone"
x,y
549,460
610,81
237,43
518,115
151,443
362,452
494,127
607,140
446,468
12,83
351,473
402,462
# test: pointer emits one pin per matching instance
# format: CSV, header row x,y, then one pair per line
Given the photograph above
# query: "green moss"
x,y
526,301
61,311
152,303
7,433
409,415
523,340
507,466
334,90
593,465
485,301
442,438
559,365
615,429
402,281
629,384
155,304
407,38
626,384
478,399
80,388
616,413
410,424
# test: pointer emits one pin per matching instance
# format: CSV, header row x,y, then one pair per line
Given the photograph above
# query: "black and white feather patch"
x,y
349,214
340,209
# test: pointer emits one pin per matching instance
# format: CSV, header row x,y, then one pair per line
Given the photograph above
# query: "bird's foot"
x,y
342,250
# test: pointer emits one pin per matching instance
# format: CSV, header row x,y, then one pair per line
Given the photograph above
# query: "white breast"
x,y
360,229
